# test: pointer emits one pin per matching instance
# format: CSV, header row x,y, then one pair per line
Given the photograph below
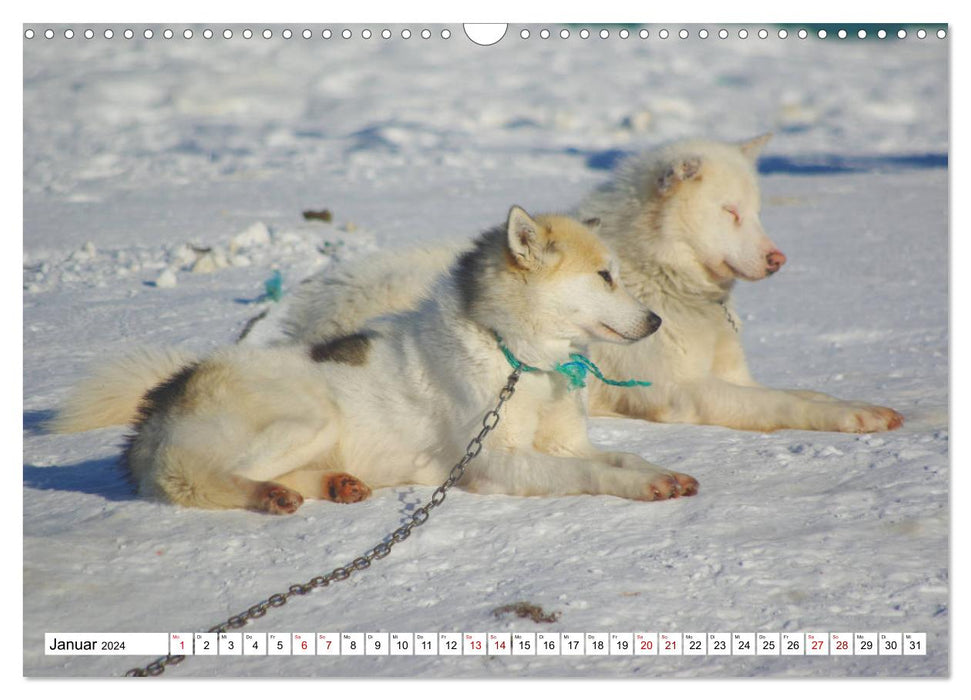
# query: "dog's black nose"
x,y
653,322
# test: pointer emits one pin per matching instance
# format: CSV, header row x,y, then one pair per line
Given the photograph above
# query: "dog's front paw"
x,y
667,485
344,488
279,500
864,418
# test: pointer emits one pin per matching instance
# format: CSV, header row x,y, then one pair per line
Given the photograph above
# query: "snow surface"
x,y
147,163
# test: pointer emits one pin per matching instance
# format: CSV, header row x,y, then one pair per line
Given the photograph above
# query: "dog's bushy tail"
x,y
112,393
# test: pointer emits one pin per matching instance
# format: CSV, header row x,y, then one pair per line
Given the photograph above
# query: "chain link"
x,y
379,551
729,316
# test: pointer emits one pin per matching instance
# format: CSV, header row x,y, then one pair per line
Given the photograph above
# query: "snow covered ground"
x,y
164,182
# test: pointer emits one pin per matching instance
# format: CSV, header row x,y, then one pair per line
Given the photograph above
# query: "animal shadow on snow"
x,y
410,501
821,164
97,477
34,421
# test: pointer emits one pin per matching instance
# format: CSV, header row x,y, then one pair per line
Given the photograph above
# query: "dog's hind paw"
x,y
279,500
687,484
896,419
344,488
670,485
865,418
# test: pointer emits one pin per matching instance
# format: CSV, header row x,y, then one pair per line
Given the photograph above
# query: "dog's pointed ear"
x,y
753,147
687,168
526,238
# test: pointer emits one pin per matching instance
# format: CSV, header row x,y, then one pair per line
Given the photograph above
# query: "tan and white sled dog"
x,y
397,401
684,220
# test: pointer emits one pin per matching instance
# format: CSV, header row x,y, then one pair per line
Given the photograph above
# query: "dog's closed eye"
x,y
733,210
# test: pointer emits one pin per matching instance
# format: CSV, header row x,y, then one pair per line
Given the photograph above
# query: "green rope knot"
x,y
575,370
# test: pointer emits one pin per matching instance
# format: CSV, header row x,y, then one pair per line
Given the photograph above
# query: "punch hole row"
x,y
446,33
723,33
129,33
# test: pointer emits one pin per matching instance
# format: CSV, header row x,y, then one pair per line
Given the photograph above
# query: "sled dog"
x,y
684,220
397,401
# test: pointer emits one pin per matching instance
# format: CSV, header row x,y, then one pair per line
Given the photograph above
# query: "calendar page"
x,y
763,493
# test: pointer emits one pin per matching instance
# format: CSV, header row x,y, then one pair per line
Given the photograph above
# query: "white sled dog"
x,y
397,401
685,221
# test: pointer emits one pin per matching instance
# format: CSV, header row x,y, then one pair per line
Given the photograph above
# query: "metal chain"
x,y
728,315
379,551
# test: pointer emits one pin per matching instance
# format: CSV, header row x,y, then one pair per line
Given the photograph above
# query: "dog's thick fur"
x,y
397,401
685,221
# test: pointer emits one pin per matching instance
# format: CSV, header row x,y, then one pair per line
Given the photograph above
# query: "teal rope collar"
x,y
575,370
